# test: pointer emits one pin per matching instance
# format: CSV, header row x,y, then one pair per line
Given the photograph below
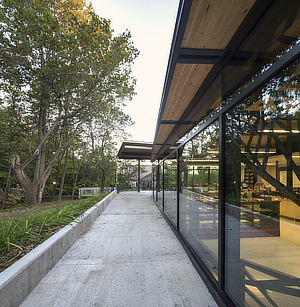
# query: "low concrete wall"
x,y
17,281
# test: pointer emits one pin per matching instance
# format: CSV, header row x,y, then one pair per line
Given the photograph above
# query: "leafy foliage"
x,y
61,70
26,232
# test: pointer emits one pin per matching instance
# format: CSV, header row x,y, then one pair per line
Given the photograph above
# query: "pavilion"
x,y
226,149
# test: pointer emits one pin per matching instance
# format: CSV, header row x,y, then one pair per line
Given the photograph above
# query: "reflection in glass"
x,y
270,38
170,189
263,195
154,172
198,206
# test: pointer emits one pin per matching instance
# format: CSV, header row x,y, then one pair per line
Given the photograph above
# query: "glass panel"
x,y
160,186
153,181
154,171
170,189
207,107
263,195
198,206
271,37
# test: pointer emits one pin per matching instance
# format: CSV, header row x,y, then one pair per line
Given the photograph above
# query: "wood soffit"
x,y
209,27
204,34
138,150
135,150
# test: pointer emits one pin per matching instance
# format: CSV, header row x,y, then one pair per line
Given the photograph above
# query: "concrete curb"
x,y
17,281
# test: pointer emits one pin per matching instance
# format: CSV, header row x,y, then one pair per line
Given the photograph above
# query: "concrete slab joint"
x,y
17,281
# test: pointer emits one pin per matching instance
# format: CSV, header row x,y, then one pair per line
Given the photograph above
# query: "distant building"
x,y
146,181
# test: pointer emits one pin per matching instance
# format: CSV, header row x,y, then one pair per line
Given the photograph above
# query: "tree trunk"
x,y
40,187
75,179
33,191
29,193
40,178
57,177
63,176
103,179
27,185
39,192
7,187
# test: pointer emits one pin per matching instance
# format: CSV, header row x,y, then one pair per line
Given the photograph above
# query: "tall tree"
x,y
60,65
102,134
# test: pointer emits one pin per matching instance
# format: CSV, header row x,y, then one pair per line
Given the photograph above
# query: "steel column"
x,y
178,187
221,228
139,175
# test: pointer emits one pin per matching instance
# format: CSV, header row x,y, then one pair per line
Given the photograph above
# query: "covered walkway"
x,y
128,257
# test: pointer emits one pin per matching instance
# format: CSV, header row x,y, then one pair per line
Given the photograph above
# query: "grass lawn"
x,y
21,230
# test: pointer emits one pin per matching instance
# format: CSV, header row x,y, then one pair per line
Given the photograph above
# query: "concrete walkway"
x,y
128,257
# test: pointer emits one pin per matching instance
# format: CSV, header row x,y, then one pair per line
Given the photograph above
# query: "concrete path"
x,y
129,257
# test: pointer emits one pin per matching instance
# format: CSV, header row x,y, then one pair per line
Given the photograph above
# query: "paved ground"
x,y
128,257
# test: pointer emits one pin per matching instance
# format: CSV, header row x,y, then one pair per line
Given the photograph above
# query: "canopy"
x,y
217,47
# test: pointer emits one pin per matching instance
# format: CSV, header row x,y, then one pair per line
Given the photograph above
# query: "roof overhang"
x,y
217,47
135,150
139,150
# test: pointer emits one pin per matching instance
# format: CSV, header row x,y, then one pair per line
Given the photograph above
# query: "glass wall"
x,y
170,188
154,183
198,205
262,187
238,184
159,176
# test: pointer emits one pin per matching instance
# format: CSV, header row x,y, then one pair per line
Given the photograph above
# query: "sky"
x,y
151,24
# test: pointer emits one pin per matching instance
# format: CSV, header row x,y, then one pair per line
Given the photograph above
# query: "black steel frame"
x,y
218,288
163,182
181,21
220,59
221,228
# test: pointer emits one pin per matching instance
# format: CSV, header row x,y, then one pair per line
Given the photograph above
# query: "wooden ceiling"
x,y
138,150
212,23
217,46
135,150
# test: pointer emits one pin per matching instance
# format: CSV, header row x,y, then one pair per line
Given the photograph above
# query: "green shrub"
x,y
36,227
